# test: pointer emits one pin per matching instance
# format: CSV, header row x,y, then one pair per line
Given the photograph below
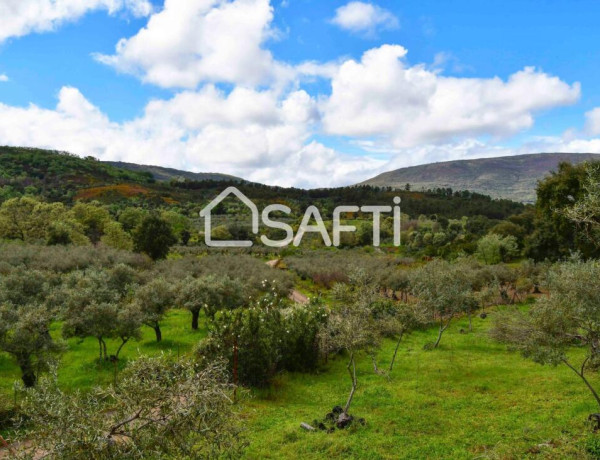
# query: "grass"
x,y
471,398
80,367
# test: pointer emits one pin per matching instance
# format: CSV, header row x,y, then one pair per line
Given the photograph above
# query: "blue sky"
x,y
299,92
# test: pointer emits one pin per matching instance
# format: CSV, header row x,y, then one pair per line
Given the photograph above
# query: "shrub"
x,y
265,338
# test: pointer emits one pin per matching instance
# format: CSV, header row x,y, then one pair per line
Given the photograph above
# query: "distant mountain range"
x,y
513,177
166,174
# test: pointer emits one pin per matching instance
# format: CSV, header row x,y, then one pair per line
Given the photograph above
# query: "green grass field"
x,y
79,366
471,398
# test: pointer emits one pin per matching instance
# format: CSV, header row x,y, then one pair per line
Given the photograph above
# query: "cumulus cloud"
x,y
592,122
365,18
3,77
21,17
193,41
382,96
252,134
262,128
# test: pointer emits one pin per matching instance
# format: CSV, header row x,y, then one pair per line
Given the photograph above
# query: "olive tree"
x,y
569,317
586,211
96,306
153,300
395,320
160,409
209,293
441,292
25,334
351,327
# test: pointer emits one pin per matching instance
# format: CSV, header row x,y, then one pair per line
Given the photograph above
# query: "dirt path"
x,y
295,295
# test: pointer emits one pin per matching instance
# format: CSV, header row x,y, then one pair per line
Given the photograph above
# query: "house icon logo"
x,y
312,214
206,213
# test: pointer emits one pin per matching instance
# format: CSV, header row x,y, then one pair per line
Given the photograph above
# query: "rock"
x,y
337,410
307,427
483,316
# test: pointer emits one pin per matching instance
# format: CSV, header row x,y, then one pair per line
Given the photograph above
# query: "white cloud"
x,y
252,134
381,96
592,122
21,17
193,41
3,77
361,17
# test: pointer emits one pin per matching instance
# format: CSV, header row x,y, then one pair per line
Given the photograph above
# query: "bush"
x,y
267,338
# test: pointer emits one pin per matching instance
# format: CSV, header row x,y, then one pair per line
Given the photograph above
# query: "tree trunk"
x,y
441,331
195,316
104,349
352,371
235,367
27,372
157,331
395,352
100,348
585,380
470,322
123,342
374,361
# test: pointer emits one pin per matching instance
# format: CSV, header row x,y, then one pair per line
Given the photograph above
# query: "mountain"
x,y
513,177
166,174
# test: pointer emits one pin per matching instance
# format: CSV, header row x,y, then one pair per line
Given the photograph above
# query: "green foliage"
x,y
96,307
554,234
264,338
154,237
209,293
115,237
160,409
441,292
25,334
493,248
569,316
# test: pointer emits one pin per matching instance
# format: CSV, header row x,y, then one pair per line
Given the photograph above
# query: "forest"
x,y
123,336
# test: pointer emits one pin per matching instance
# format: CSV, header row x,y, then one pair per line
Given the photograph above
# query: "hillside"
x,y
513,178
60,176
166,174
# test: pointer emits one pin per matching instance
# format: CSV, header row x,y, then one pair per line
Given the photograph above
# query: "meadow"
x,y
470,398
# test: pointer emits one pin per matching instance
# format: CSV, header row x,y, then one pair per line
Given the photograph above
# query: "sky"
x,y
303,93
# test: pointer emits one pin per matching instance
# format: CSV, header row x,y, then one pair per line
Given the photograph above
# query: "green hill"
x,y
513,178
60,176
166,174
